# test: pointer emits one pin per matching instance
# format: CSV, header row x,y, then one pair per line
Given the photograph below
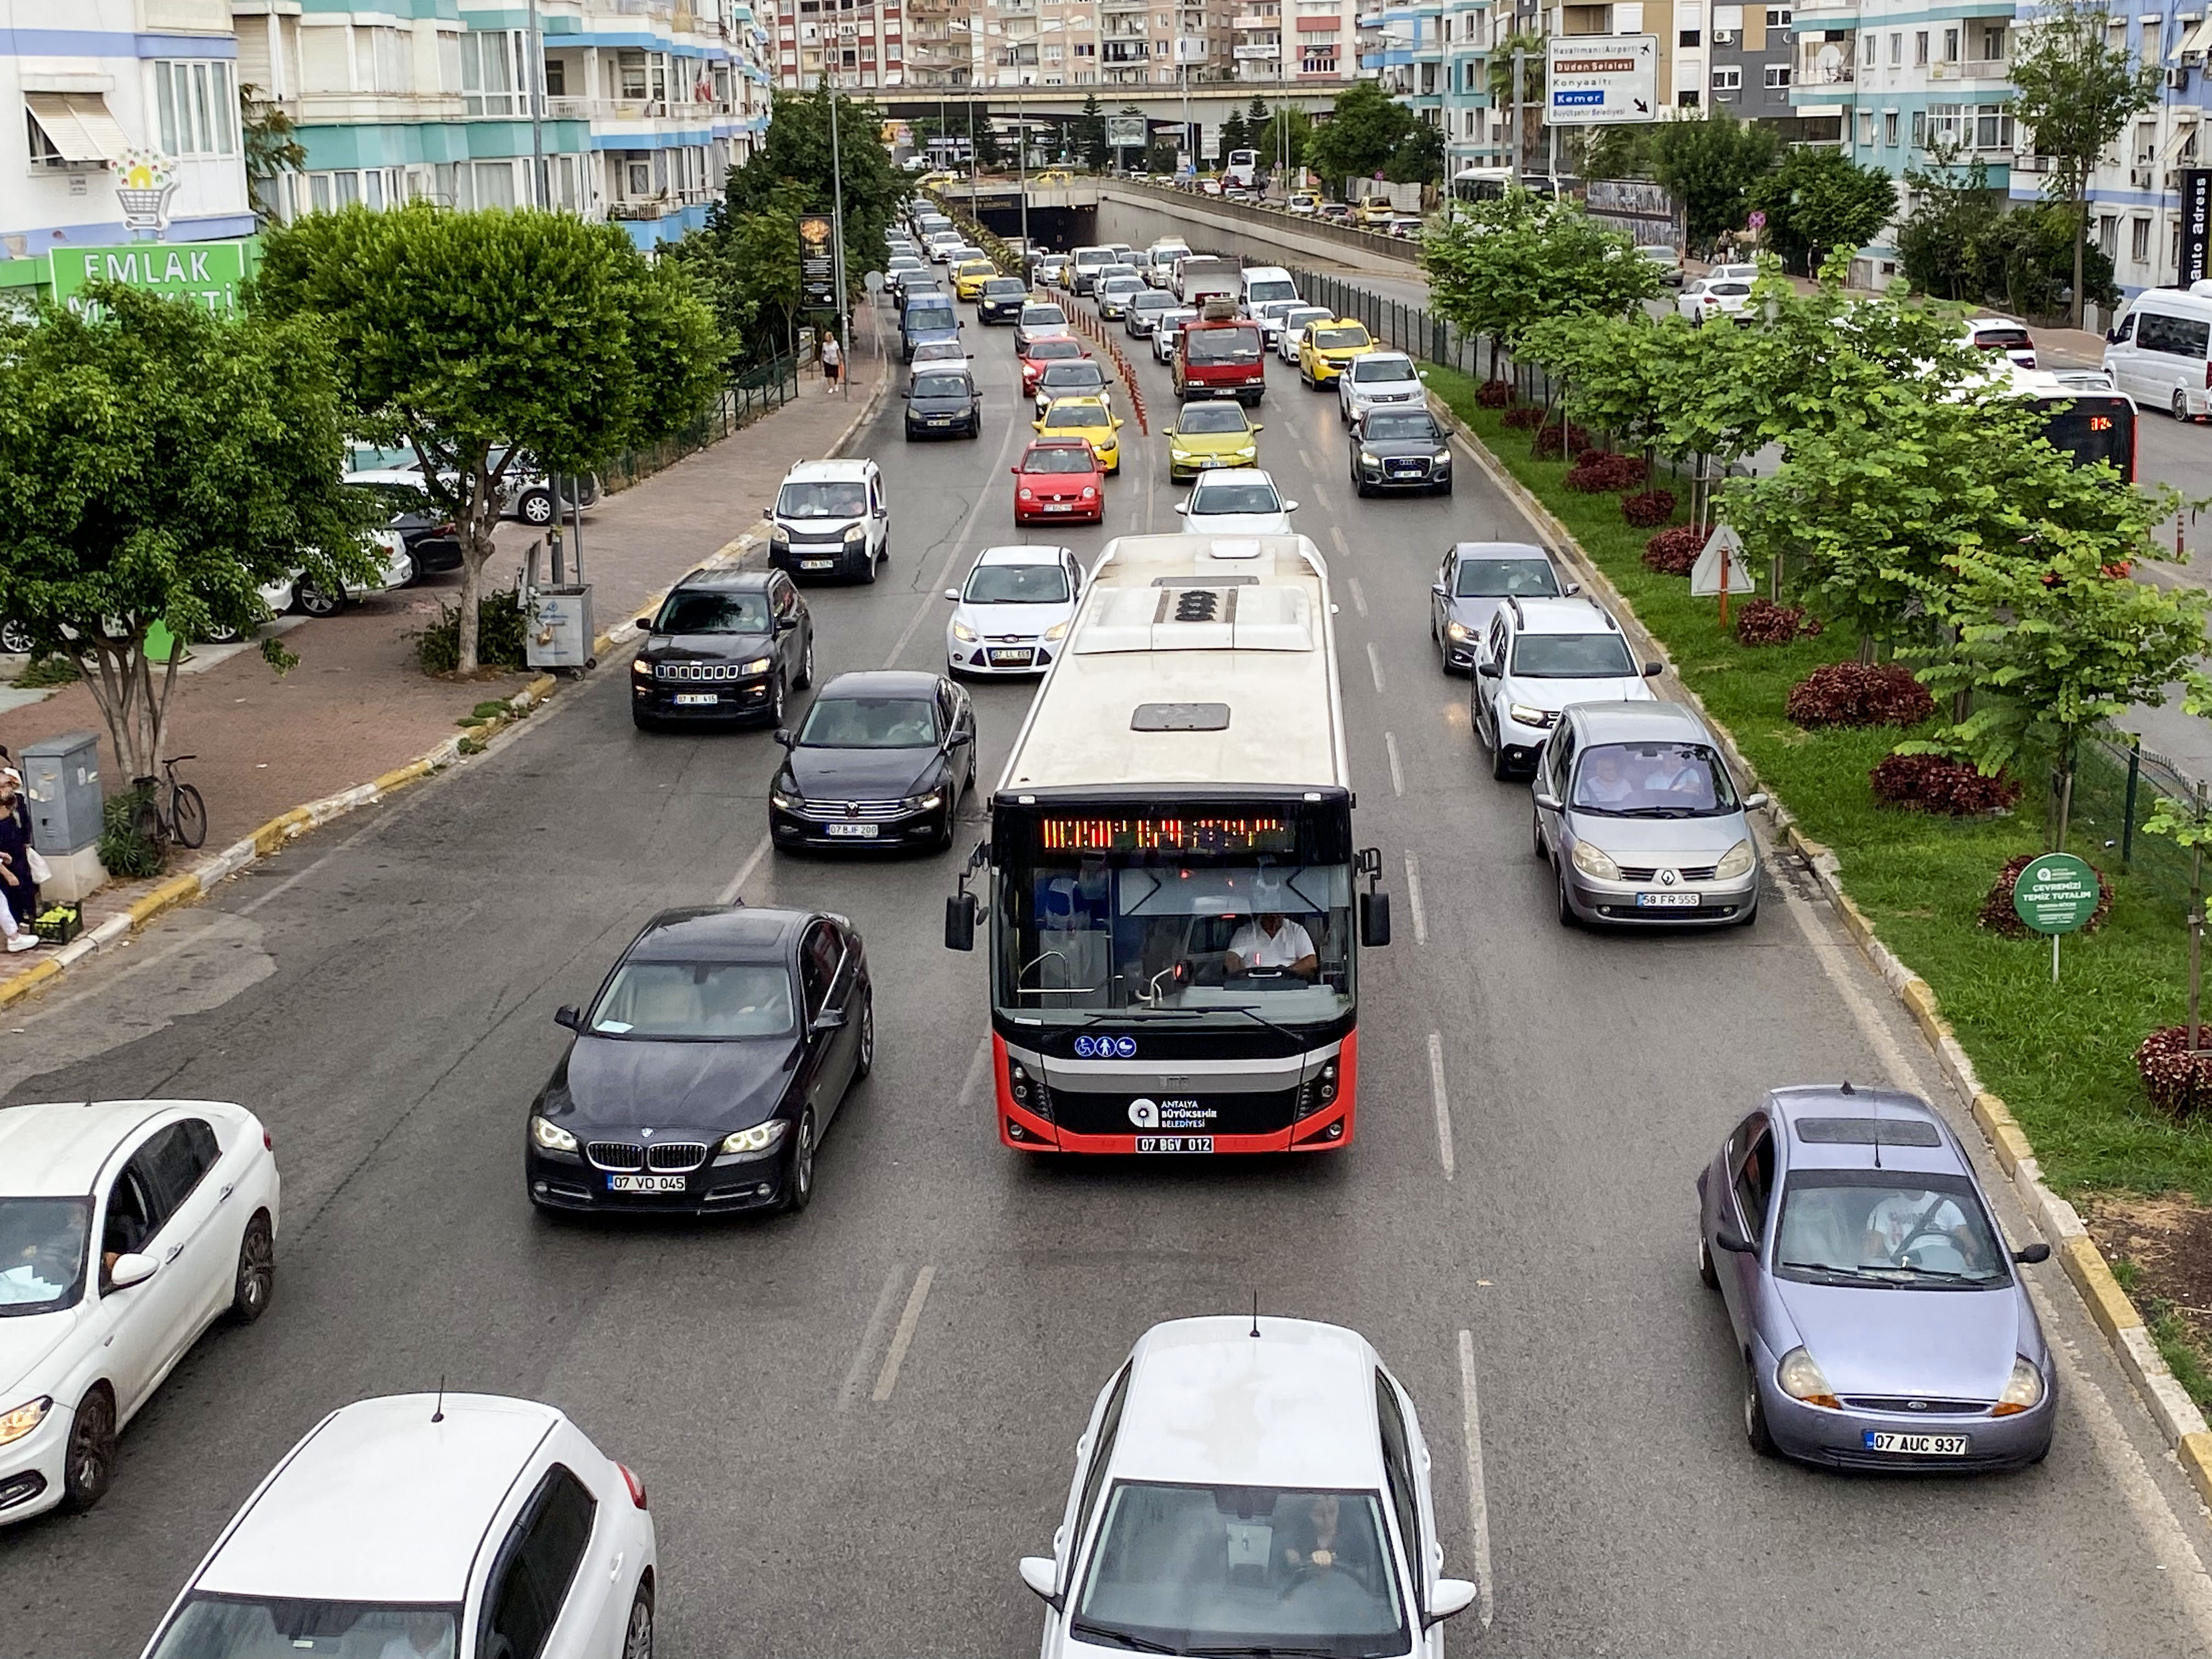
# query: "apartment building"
x,y
1008,43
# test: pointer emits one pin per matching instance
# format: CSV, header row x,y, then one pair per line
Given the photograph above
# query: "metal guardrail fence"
x,y
752,394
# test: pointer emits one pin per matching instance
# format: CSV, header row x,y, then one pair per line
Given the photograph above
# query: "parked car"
x,y
724,646
1668,259
429,1524
1870,1291
829,518
1013,611
880,760
941,401
1641,823
705,1071
425,531
527,494
1399,448
1540,656
1475,579
1060,478
127,1228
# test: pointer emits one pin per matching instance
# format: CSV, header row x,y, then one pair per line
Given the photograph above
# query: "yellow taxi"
x,y
1375,213
1208,434
1325,347
1087,418
970,276
1052,176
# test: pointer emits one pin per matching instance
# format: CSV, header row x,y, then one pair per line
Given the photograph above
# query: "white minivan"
x,y
2161,355
1090,262
1262,283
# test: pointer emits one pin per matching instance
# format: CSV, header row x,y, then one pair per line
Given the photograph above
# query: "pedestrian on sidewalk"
x,y
17,881
833,359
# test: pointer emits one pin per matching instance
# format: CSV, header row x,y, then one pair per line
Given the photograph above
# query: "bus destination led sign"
x,y
1168,835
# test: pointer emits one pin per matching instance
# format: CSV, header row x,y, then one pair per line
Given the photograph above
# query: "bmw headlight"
x,y
963,633
2023,1390
758,1139
1594,864
551,1136
1736,862
1057,631
757,665
1801,1379
15,1425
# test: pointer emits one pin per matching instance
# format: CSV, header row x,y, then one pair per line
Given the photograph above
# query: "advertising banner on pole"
x,y
817,259
1600,80
2196,224
1126,132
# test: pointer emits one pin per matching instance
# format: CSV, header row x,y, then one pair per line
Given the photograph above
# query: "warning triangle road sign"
x,y
1705,575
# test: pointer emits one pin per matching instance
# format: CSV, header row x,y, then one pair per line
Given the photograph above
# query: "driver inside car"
x,y
1272,940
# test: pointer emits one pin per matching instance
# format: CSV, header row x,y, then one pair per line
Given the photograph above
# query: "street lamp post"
x,y
539,194
837,245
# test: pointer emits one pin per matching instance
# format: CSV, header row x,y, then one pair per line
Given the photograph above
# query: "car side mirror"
x,y
645,624
1546,803
1755,800
1182,506
954,592
1034,426
1448,1597
132,1268
1169,432
1375,919
785,624
783,736
1041,1574
958,738
1652,670
960,922
568,1017
1488,671
2032,1254
829,1019
1424,373
1734,1241
1256,428
1572,588
1440,589
1290,506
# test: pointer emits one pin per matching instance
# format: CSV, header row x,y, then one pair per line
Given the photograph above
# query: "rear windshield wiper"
x,y
1092,1633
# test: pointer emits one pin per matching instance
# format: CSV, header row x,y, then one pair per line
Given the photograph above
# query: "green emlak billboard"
x,y
206,273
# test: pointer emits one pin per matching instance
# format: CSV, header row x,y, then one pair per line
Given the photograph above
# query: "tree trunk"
x,y
1866,649
477,523
2065,796
121,680
2081,241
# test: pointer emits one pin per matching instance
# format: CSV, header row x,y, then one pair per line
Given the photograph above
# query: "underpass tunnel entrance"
x,y
1056,228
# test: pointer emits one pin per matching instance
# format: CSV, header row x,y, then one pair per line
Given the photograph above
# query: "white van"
x,y
2161,355
1088,262
1262,283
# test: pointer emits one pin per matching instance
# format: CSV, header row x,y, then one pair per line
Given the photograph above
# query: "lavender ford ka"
x,y
1869,1290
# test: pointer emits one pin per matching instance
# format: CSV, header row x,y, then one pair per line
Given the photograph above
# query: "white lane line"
x,y
1336,539
1841,968
930,600
729,894
1358,595
973,1080
1443,1104
1413,898
1478,1503
857,1372
1375,665
1397,772
1307,458
902,1338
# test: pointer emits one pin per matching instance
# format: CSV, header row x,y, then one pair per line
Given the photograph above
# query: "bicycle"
x,y
183,819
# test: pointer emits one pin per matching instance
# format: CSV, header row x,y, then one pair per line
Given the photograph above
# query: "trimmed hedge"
x,y
1859,694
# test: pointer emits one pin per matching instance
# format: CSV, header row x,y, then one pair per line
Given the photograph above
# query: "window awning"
x,y
2198,39
78,126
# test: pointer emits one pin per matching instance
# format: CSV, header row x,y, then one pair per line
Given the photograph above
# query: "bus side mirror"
x,y
960,922
1373,919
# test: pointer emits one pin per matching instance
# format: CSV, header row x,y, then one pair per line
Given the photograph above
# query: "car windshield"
x,y
1081,372
1382,368
998,287
1235,498
941,351
1184,1568
869,723
822,500
1336,339
210,1627
1401,426
1279,289
703,1001
1727,288
1907,1231
1060,458
1493,579
1572,657
1211,417
1652,780
940,385
1019,584
1042,316
42,1253
1222,345
713,613
1082,415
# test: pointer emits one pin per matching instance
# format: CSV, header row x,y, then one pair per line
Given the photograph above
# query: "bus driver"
x,y
1272,940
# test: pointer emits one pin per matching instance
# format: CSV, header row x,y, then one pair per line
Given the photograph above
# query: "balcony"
x,y
1983,69
1825,74
1246,22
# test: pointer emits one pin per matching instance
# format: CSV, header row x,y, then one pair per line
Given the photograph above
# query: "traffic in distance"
x,y
1173,898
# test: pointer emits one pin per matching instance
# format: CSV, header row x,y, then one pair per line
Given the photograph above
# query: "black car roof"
x,y
703,933
881,682
724,582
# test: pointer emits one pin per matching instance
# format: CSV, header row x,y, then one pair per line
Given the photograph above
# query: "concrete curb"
x,y
2126,1333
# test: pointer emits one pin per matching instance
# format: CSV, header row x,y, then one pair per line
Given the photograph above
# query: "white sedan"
x,y
1294,323
1236,501
429,1525
127,1227
1167,329
1248,1487
1010,614
1711,297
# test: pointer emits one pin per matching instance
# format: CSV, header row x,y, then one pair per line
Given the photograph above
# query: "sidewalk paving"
x,y
358,706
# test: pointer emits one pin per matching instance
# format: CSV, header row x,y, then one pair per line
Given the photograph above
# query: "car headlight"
x,y
1525,715
551,1136
1057,631
2023,1390
858,533
16,1423
1594,864
758,1139
1367,457
1801,1379
783,801
757,665
1458,631
922,803
1443,457
636,666
963,633
1249,453
1736,861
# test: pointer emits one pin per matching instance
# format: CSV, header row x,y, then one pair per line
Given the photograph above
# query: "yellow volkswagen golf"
x,y
1087,418
970,276
1326,348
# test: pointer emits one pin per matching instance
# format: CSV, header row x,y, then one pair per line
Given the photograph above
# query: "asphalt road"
x,y
853,1423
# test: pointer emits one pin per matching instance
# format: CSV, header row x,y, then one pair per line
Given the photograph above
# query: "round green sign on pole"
x,y
2055,894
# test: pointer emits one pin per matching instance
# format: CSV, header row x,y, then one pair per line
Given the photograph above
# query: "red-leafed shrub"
x,y
1598,472
1523,417
2178,1083
1495,394
1934,783
1549,443
1999,917
1674,552
1860,693
1762,622
1649,510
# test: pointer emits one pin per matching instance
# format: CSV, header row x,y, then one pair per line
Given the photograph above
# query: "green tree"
x,y
1235,136
1361,135
1942,241
1529,130
795,151
1090,134
2078,89
1285,139
272,148
1820,201
1504,265
161,462
1419,157
458,333
1709,165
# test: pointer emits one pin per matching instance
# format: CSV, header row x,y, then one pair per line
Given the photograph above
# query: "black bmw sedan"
x,y
880,760
726,645
703,1074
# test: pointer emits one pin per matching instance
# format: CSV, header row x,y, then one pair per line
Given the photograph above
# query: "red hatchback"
x,y
1059,478
1043,355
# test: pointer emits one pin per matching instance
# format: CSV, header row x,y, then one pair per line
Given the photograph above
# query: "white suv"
x,y
830,519
1539,657
1376,379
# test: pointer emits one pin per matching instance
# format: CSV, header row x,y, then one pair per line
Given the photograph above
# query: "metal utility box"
x,y
561,631
61,775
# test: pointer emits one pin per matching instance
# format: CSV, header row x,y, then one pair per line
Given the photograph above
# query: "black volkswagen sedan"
x,y
943,402
880,760
1400,449
704,1073
726,645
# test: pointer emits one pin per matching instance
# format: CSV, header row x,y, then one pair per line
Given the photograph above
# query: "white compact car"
x,y
1376,379
1538,658
1010,614
1294,323
127,1227
424,1526
1710,298
1249,1487
1236,501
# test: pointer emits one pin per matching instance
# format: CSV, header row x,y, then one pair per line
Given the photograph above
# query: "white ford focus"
x,y
1011,615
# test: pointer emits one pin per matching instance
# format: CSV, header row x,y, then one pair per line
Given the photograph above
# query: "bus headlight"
x,y
1029,1092
1319,1090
